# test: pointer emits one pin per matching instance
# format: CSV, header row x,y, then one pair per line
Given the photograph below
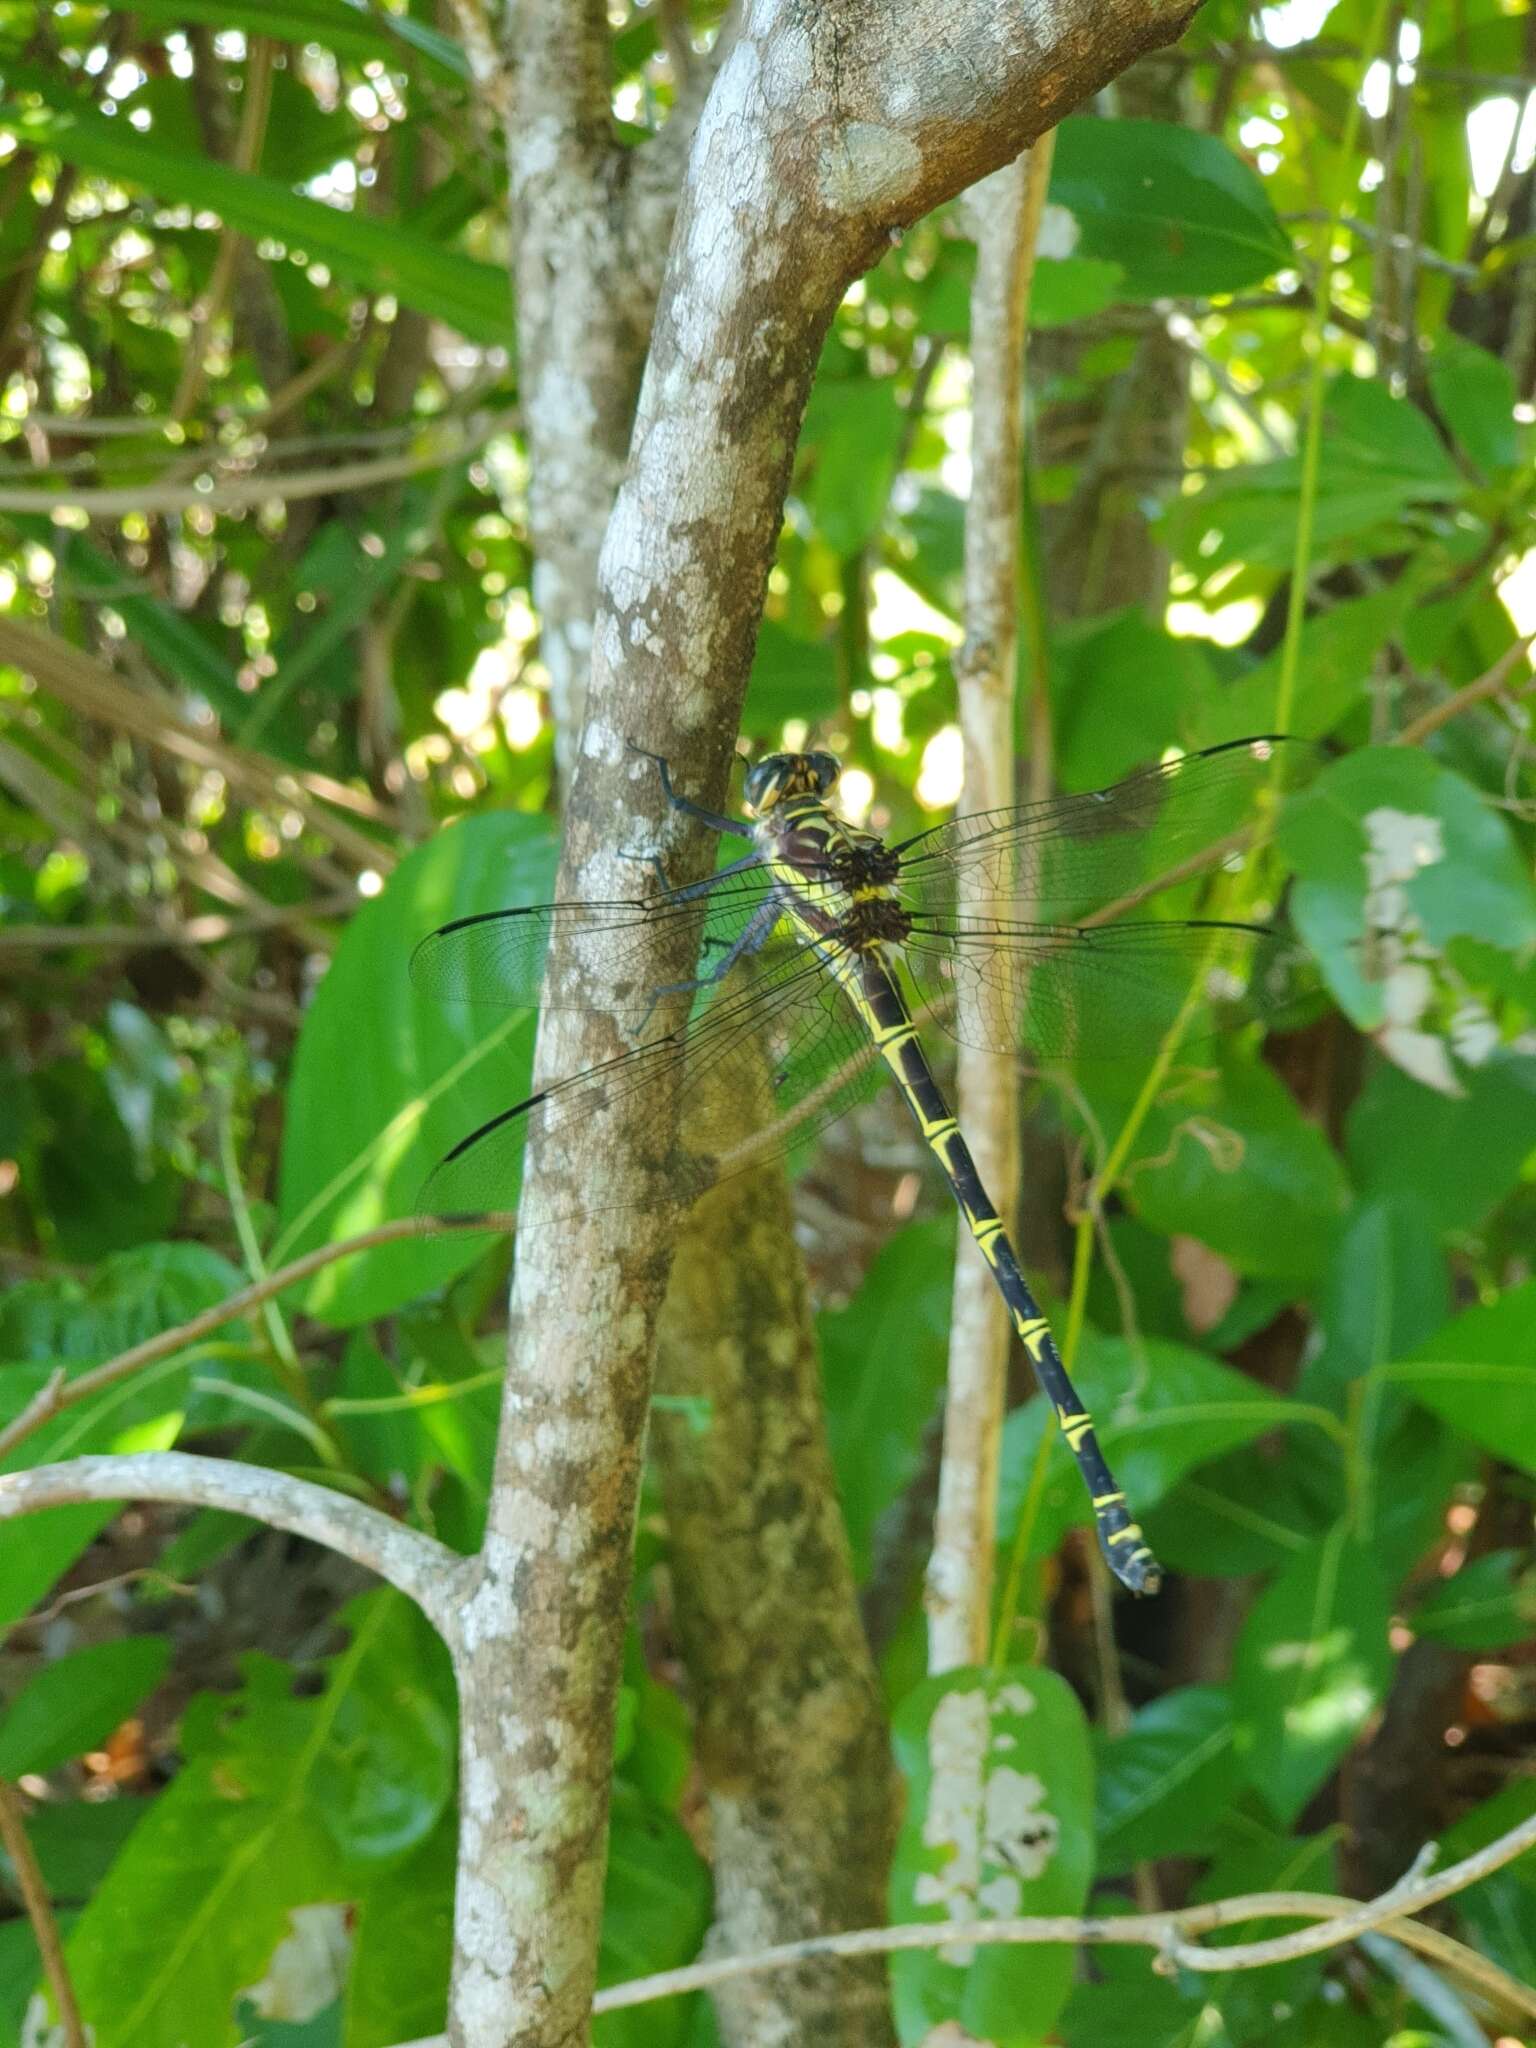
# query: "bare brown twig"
x,y
34,1896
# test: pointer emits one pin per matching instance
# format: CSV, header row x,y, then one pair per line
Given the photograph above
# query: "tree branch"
x,y
418,1565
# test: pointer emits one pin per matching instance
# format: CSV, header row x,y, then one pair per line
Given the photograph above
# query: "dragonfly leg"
x,y
747,940
686,804
654,862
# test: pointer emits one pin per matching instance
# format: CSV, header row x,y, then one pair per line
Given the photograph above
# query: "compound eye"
x,y
826,768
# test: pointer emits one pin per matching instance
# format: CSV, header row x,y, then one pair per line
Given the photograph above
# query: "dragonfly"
x,y
818,950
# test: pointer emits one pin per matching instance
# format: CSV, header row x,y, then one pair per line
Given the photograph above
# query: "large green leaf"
x,y
1386,1289
392,1774
656,1908
1227,1156
74,1704
1490,1604
1396,856
374,1059
1168,1778
1339,648
1476,393
193,1909
1311,1666
999,1822
855,425
402,1947
1459,1156
1384,478
1174,208
1479,1374
1161,1409
884,1361
71,1325
131,1296
374,255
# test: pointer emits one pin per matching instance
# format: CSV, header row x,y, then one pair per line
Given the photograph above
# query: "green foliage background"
x,y
226,751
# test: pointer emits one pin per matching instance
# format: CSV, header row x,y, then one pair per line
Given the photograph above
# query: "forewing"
x,y
1065,858
770,1056
497,957
1090,992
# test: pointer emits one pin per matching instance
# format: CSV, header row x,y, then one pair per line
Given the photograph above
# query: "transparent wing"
x,y
770,1057
1089,992
1058,860
497,957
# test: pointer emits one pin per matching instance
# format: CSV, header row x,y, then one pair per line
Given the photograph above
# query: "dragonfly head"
x,y
777,776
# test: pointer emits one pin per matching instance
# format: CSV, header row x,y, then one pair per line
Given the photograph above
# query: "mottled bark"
x,y
791,1734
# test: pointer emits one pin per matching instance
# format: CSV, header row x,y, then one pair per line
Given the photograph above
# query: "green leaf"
x,y
371,1111
193,1909
1386,1289
1381,470
1396,856
1479,1374
1490,1604
76,1840
1124,689
201,1896
1161,1409
1311,1665
876,1417
1478,1143
855,426
1164,1783
402,1948
1179,213
392,1778
374,255
74,1704
1226,1155
999,1822
791,678
1072,288
130,1297
1338,651
1253,1856
1254,1510
1476,393
656,1909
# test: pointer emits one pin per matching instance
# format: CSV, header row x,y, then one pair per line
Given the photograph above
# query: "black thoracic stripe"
x,y
879,996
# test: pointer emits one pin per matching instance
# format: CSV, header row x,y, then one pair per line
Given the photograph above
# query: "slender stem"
x,y
45,1928
1312,436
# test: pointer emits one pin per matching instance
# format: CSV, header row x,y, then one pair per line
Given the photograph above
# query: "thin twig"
x,y
59,1393
264,487
45,1928
1341,1920
1487,685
